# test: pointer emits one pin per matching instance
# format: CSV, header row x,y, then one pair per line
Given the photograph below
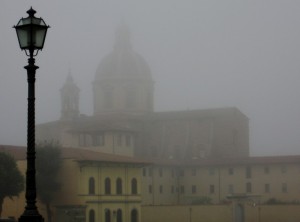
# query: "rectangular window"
x,y
172,189
267,188
94,140
194,189
181,189
82,140
150,172
144,172
194,172
230,189
160,172
283,169
160,189
150,188
211,189
284,188
181,172
211,171
172,173
266,170
248,172
98,140
230,171
101,139
248,187
128,140
119,140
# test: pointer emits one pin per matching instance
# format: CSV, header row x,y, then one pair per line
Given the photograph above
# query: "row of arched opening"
x,y
118,214
107,186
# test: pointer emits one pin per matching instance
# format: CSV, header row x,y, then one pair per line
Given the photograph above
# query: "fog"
x,y
202,54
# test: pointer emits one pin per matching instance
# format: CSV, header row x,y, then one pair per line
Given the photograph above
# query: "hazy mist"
x,y
203,54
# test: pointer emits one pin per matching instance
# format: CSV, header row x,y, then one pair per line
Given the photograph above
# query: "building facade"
x,y
216,181
94,187
103,187
124,121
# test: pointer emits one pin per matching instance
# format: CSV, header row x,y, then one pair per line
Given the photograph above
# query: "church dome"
x,y
123,62
123,81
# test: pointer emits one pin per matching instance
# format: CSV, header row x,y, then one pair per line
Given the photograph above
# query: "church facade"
x,y
124,121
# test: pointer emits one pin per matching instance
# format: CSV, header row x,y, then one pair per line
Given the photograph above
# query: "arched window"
x,y
91,216
107,186
133,186
91,185
107,215
119,215
134,215
119,186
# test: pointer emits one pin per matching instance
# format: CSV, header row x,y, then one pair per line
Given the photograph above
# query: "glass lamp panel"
x,y
39,37
23,36
36,21
24,21
42,22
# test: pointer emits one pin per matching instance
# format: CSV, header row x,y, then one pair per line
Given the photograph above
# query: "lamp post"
x,y
31,32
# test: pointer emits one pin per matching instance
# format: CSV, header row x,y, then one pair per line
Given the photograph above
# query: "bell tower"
x,y
69,99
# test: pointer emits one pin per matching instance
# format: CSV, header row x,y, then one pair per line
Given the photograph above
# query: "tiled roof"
x,y
257,160
88,155
19,153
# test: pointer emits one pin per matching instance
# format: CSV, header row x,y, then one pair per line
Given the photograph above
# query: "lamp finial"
x,y
31,12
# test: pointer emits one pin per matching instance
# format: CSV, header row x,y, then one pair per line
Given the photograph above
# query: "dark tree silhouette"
x,y
11,179
48,164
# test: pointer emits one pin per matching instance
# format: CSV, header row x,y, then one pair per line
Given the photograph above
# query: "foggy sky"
x,y
202,54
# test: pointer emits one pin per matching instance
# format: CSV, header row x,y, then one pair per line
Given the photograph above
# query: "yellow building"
x,y
199,181
104,187
95,187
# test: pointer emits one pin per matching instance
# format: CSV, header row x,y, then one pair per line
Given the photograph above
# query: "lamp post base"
x,y
31,218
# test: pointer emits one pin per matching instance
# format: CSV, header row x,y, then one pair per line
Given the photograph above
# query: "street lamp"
x,y
31,32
